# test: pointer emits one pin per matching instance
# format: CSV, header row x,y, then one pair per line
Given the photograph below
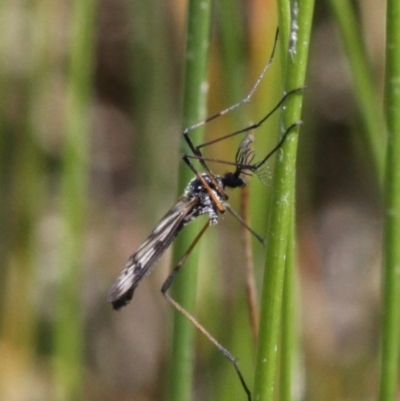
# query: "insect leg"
x,y
255,125
167,284
241,221
242,166
196,149
210,159
236,105
257,165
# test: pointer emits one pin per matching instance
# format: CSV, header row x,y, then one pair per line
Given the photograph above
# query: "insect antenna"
x,y
244,154
256,167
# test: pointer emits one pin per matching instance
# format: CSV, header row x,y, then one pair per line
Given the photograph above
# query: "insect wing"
x,y
142,261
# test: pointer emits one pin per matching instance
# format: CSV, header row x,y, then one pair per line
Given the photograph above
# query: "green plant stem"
x,y
23,206
184,288
391,250
289,329
281,207
284,18
365,90
152,68
69,325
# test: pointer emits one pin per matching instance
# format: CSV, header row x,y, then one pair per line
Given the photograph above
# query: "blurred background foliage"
x,y
128,147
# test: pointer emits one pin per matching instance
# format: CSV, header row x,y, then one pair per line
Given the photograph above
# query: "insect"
x,y
204,195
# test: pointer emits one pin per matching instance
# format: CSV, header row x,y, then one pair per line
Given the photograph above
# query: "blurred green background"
x,y
89,153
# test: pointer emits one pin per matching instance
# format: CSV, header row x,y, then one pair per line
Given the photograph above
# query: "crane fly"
x,y
195,201
204,195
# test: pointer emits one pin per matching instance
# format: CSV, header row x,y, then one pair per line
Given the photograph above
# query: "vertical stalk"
x,y
69,328
391,250
364,89
194,106
22,197
280,220
290,339
21,187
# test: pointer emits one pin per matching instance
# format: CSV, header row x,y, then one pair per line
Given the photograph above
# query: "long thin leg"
x,y
211,159
167,284
278,145
196,149
199,156
255,125
251,167
241,221
188,139
236,105
255,167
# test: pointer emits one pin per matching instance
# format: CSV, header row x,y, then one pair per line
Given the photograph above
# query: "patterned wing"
x,y
145,258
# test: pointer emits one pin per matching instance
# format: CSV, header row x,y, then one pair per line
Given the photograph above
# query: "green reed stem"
x,y
391,251
184,289
365,90
281,216
69,341
289,323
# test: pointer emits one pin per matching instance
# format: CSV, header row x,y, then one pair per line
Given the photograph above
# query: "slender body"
x,y
195,201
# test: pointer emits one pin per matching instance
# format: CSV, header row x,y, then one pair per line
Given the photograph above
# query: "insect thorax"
x,y
205,205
